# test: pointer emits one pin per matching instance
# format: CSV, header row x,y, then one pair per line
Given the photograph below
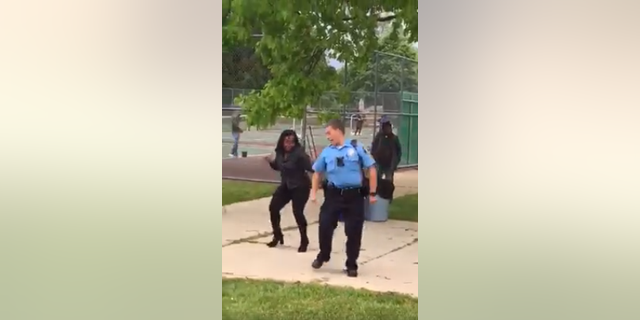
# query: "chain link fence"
x,y
242,73
387,87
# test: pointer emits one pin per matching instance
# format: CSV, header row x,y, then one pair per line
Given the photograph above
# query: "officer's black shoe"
x,y
352,273
317,264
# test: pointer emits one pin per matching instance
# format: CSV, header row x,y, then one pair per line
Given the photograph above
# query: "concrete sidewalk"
x,y
388,260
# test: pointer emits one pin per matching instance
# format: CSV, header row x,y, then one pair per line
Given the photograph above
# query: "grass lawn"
x,y
404,208
253,300
238,191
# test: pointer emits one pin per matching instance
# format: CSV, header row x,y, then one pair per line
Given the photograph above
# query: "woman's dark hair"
x,y
284,135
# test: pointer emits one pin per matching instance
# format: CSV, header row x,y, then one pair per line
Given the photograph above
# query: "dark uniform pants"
x,y
349,203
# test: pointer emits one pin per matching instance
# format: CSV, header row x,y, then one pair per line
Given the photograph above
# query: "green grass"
x,y
239,191
254,300
404,208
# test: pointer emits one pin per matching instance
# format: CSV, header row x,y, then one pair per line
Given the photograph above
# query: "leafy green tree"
x,y
242,68
395,65
296,39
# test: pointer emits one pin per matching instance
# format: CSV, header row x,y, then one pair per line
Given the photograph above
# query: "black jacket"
x,y
386,150
235,124
293,168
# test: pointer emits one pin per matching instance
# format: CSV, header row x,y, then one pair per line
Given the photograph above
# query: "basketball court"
x,y
252,151
258,144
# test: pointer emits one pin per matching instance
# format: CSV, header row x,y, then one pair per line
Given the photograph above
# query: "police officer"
x,y
342,163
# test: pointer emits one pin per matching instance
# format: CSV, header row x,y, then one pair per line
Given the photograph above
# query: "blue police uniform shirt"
x,y
349,175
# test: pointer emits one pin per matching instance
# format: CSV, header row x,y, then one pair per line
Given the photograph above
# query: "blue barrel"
x,y
378,212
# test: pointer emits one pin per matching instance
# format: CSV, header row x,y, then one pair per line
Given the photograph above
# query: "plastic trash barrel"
x,y
378,211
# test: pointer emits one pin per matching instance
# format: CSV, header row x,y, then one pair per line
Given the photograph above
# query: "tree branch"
x,y
315,59
379,19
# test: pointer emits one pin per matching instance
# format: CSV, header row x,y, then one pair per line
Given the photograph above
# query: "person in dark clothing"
x,y
235,132
295,186
359,121
386,150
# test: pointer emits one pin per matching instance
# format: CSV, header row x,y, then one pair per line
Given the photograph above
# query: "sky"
x,y
337,64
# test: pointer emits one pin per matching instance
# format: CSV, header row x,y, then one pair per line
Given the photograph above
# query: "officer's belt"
x,y
331,188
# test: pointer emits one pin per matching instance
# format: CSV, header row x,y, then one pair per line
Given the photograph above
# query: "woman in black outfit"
x,y
295,186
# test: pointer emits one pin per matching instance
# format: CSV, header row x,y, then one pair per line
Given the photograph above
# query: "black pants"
x,y
351,204
386,171
281,197
359,125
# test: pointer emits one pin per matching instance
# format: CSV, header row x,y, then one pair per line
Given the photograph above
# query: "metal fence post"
x,y
304,127
345,83
375,94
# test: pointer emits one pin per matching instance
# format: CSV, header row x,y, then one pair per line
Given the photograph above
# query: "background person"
x,y
236,131
386,150
359,122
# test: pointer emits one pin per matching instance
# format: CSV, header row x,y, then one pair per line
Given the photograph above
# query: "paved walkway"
x,y
388,260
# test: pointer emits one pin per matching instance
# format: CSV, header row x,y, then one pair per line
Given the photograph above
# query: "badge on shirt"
x,y
351,152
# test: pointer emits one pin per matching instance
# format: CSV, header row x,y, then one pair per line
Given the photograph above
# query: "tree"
x,y
393,68
242,68
297,37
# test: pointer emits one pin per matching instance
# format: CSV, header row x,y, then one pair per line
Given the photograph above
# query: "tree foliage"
x,y
393,68
296,39
242,68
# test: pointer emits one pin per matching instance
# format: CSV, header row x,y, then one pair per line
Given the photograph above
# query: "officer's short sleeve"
x,y
367,159
320,165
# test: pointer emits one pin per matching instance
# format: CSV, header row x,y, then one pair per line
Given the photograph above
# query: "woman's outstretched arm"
x,y
272,162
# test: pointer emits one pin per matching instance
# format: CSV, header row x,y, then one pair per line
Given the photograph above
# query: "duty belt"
x,y
342,191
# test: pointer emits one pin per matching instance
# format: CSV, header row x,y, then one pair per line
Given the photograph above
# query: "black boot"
x,y
304,239
278,238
